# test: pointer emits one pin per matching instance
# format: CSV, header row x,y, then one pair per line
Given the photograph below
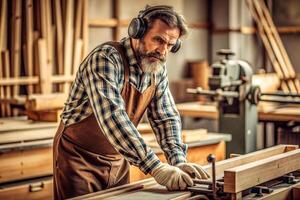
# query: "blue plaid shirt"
x,y
97,88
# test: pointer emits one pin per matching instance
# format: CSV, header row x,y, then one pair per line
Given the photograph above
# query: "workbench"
x,y
277,114
26,156
240,177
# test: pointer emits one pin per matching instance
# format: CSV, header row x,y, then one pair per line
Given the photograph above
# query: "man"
x,y
115,84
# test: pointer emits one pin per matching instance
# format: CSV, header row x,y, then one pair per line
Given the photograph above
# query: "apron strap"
x,y
121,49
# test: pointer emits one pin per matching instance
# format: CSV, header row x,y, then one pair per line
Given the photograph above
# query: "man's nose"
x,y
163,49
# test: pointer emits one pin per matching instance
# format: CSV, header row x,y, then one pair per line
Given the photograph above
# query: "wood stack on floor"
x,y
41,45
274,46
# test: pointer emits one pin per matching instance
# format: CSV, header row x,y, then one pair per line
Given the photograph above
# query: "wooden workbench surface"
x,y
267,112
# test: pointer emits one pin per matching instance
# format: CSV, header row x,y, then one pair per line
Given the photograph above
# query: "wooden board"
x,y
29,41
45,102
194,135
248,175
45,78
193,109
251,157
31,163
44,115
68,41
145,189
16,41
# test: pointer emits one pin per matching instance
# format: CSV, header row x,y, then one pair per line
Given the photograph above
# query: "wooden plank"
x,y
21,136
45,79
19,81
45,102
278,49
16,42
29,41
17,165
192,109
6,65
223,165
77,55
44,115
277,39
2,105
116,15
271,38
85,28
245,176
78,42
68,41
194,135
3,46
3,25
59,37
78,20
268,46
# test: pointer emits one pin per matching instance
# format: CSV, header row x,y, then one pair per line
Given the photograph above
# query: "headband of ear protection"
x,y
138,26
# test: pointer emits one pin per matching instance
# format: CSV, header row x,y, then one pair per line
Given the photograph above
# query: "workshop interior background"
x,y
42,43
214,25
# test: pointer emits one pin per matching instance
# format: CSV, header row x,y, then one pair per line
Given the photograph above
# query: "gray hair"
x,y
168,16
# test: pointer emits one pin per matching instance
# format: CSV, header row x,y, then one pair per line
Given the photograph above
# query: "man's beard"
x,y
147,65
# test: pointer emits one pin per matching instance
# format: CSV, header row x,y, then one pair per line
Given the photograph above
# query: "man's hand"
x,y
194,170
171,177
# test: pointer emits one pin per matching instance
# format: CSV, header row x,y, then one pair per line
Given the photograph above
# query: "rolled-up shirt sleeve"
x,y
165,121
100,79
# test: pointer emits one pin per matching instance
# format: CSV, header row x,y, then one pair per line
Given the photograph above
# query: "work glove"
x,y
171,177
194,170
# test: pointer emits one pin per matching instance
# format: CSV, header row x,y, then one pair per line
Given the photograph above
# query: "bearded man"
x,y
117,82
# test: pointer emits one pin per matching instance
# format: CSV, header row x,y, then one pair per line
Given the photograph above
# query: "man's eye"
x,y
159,40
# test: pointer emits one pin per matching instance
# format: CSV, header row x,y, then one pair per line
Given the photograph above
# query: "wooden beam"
x,y
116,15
16,42
94,23
77,55
248,175
45,101
223,165
68,41
3,25
77,42
29,42
45,79
85,28
6,65
59,37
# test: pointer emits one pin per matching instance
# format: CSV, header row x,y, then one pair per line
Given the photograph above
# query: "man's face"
x,y
155,45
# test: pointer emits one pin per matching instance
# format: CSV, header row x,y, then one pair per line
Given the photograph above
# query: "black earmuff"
x,y
138,26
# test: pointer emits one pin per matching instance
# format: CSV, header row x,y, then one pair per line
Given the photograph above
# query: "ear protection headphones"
x,y
138,26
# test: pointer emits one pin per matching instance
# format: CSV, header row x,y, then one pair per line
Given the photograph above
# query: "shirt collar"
x,y
129,51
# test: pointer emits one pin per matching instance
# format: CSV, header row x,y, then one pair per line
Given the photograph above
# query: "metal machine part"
x,y
231,86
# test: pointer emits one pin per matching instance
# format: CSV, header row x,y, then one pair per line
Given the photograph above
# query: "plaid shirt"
x,y
97,88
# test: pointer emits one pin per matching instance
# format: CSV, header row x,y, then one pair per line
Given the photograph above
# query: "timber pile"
x,y
274,46
41,45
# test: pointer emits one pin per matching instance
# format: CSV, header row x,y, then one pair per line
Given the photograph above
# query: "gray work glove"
x,y
171,177
194,170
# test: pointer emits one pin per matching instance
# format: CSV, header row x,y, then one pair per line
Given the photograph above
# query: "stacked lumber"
x,y
41,46
274,46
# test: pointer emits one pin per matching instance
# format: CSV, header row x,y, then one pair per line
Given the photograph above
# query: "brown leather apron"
x,y
84,160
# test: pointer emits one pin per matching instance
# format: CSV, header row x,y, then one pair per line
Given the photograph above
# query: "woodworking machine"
x,y
231,86
271,173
